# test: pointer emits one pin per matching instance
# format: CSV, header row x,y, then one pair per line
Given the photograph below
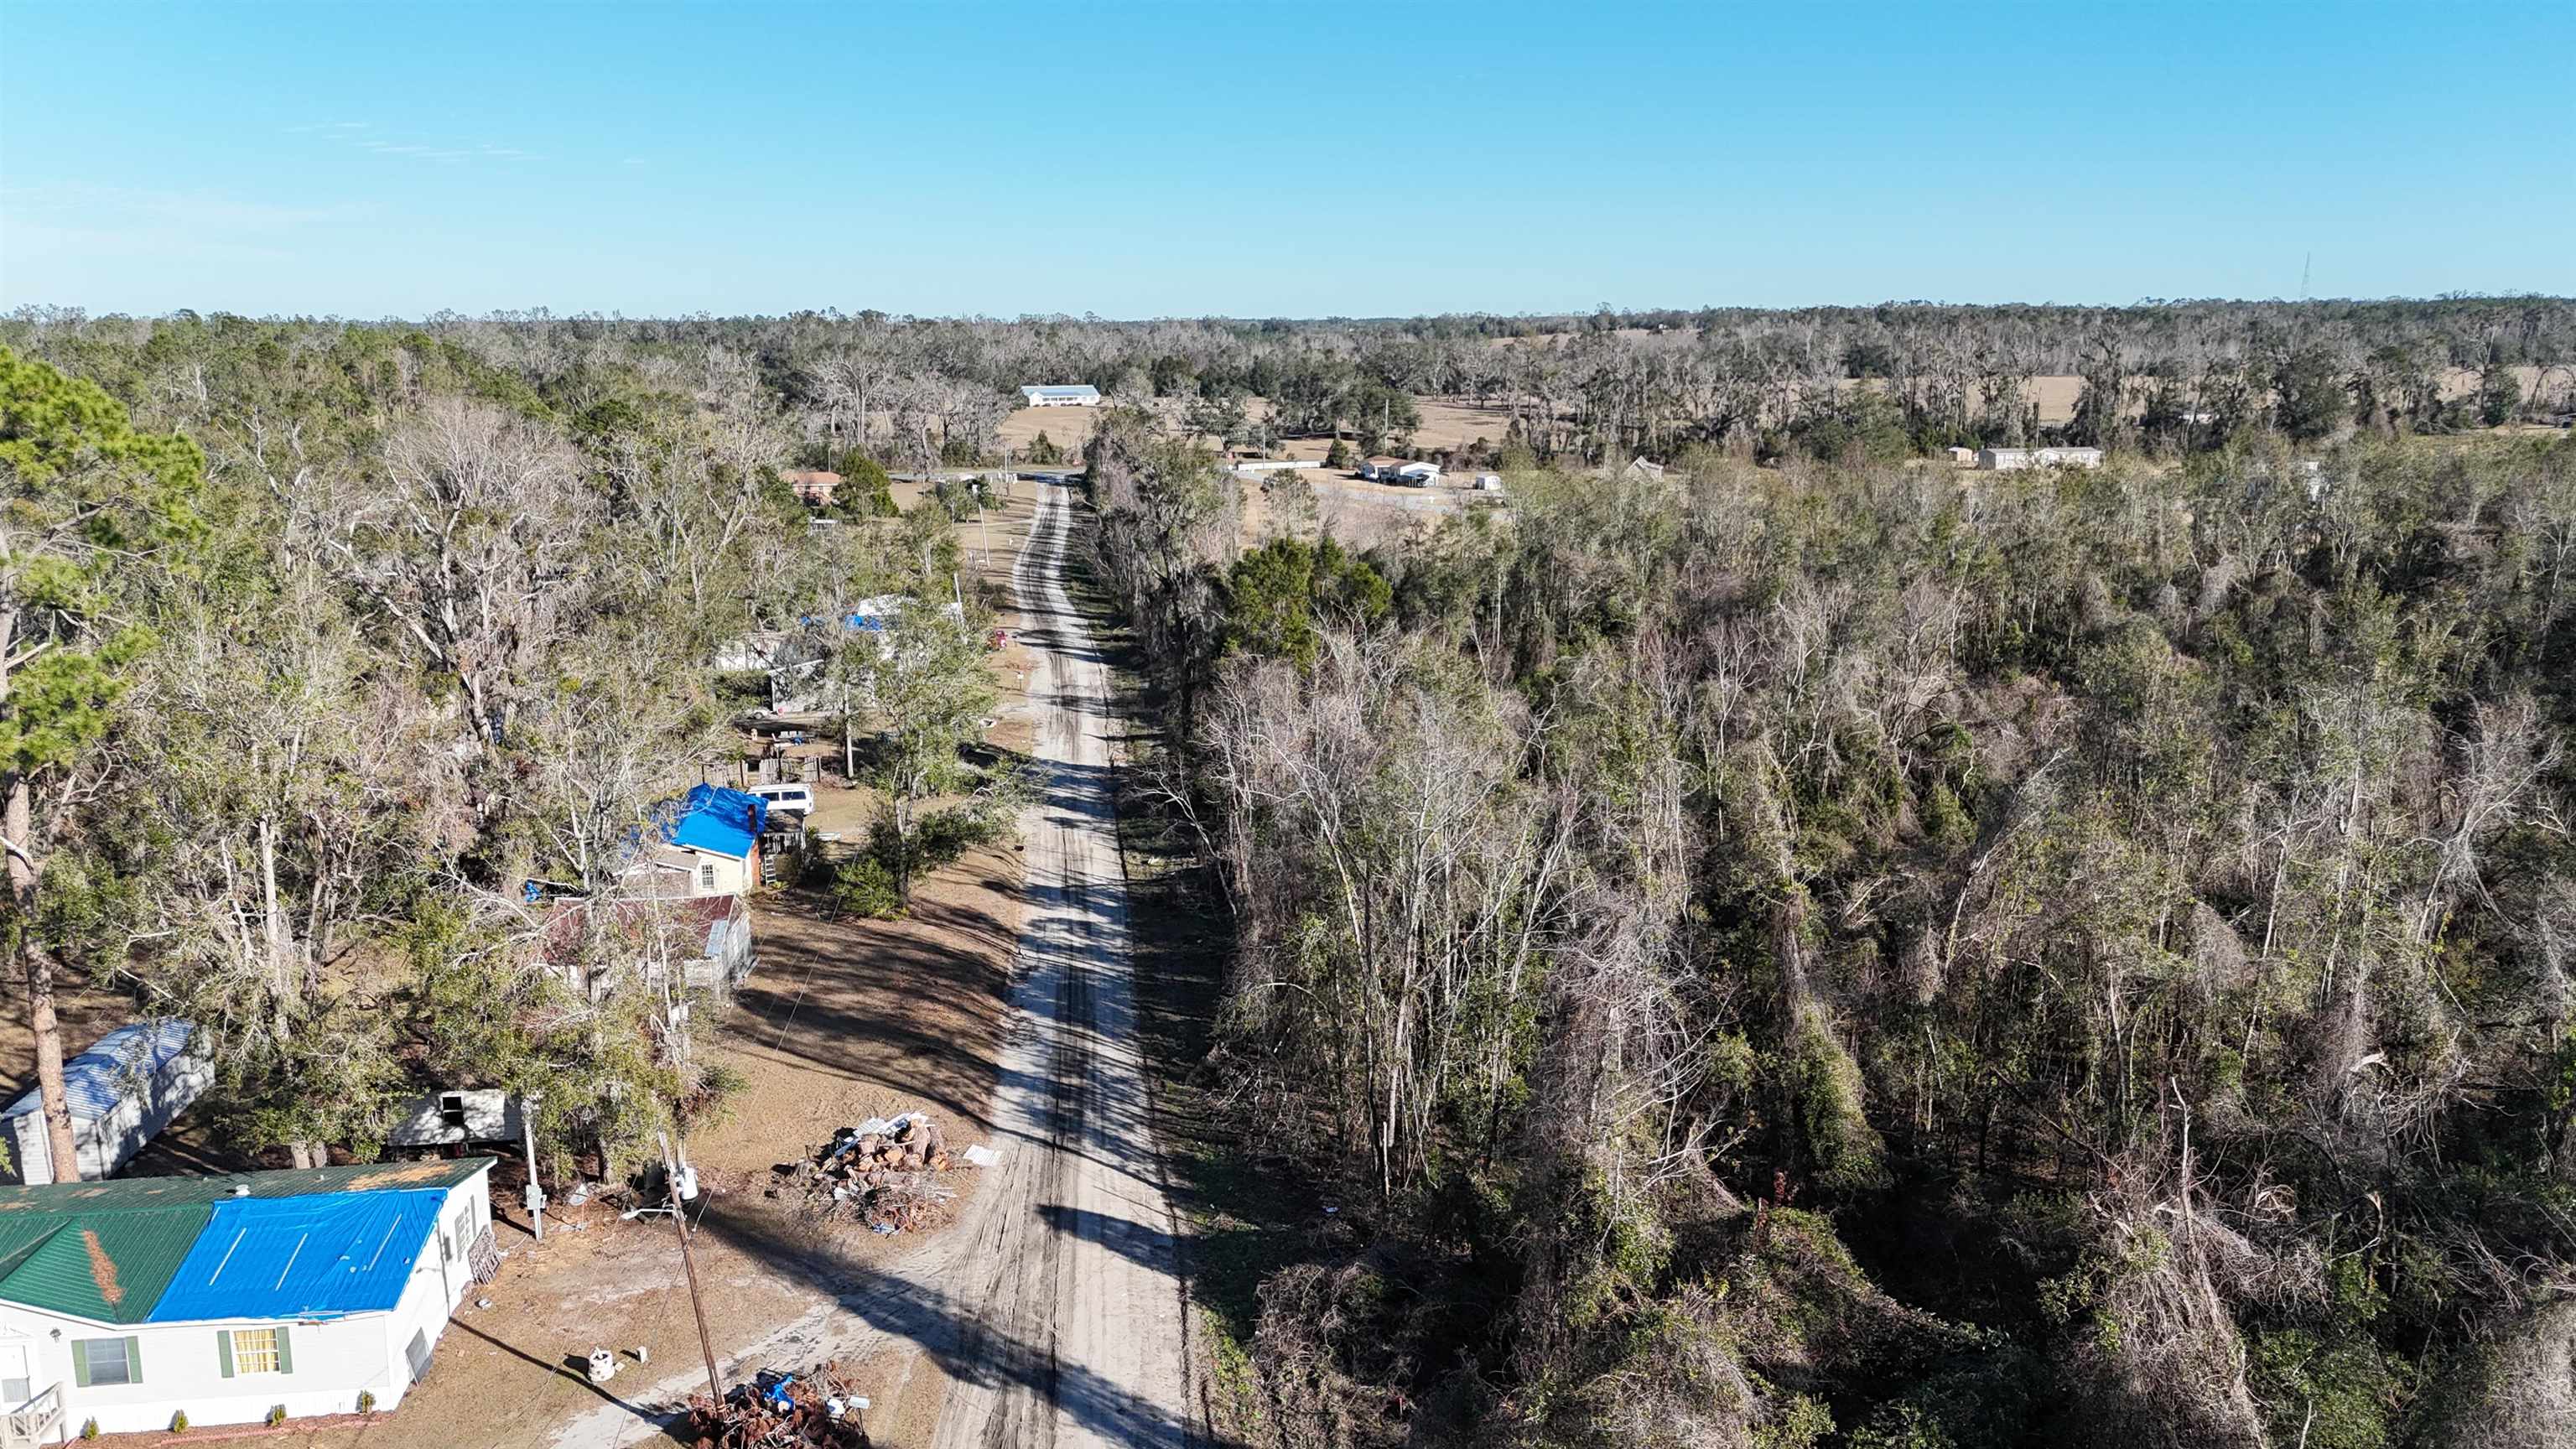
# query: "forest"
x,y
1814,948
1852,953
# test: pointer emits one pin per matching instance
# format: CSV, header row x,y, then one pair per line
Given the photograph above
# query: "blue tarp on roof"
x,y
301,1257
96,1080
719,821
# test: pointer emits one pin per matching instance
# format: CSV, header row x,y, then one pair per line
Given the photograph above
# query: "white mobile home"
x,y
1052,396
122,1092
129,1302
2014,460
470,1114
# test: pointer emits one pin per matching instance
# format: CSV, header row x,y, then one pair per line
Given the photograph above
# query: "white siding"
x,y
182,1369
336,1359
109,1141
695,873
491,1115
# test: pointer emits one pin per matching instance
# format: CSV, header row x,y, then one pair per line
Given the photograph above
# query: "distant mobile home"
x,y
122,1092
2013,460
1056,396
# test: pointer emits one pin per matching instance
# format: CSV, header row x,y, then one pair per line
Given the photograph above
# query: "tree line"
x,y
1899,378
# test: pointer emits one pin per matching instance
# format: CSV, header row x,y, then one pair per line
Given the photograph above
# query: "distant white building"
x,y
1418,475
2014,460
1052,396
122,1092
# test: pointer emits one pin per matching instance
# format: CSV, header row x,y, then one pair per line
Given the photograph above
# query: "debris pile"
x,y
883,1171
814,1410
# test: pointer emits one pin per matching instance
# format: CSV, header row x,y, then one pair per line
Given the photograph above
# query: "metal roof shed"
x,y
123,1091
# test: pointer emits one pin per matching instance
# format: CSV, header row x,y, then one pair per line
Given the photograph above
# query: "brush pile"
x,y
882,1171
814,1410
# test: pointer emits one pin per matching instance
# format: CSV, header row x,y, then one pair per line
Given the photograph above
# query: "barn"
x,y
122,1092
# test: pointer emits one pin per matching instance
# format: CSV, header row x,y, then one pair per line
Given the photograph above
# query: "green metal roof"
x,y
133,1192
109,1265
106,1250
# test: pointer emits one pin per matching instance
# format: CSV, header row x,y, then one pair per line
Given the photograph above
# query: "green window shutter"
x,y
80,1363
134,1360
285,1351
224,1350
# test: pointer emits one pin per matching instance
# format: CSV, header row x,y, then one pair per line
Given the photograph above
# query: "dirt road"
x,y
1051,1313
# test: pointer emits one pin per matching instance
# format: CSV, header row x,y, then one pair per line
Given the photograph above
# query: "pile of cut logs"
x,y
882,1170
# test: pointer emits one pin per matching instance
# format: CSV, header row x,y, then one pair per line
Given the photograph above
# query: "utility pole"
x,y
528,1139
983,534
689,1265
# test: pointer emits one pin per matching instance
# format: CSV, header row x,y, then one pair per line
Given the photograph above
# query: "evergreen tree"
x,y
88,502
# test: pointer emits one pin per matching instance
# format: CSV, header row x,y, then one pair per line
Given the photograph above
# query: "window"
x,y
451,1111
706,877
97,1361
255,1351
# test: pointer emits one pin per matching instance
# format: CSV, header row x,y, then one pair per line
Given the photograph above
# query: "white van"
x,y
787,796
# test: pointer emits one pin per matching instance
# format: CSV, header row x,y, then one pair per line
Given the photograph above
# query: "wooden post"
x,y
689,1265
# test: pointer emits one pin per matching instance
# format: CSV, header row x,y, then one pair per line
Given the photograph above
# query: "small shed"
x,y
707,937
123,1091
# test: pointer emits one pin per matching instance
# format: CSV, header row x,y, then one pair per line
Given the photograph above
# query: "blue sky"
x,y
1167,159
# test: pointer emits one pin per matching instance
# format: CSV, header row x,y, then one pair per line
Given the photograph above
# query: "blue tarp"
x,y
96,1080
719,821
301,1257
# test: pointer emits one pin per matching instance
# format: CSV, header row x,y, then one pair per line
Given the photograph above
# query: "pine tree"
x,y
86,496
